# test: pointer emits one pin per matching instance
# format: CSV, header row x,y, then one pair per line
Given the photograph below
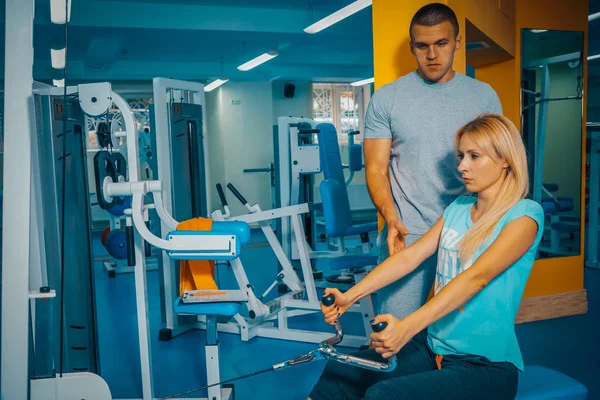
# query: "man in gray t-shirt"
x,y
409,132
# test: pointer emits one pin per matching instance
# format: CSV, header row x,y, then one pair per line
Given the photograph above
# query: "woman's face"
x,y
479,171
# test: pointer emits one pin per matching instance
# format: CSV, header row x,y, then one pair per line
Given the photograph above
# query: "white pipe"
x,y
119,189
133,159
164,216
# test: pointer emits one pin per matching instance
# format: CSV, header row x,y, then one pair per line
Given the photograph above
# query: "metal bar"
x,y
538,172
551,99
531,92
273,214
553,60
18,130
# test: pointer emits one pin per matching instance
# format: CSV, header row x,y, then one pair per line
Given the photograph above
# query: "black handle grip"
x,y
328,300
352,133
378,327
308,131
221,194
130,246
237,194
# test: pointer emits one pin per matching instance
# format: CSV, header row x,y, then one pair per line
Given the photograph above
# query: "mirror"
x,y
551,123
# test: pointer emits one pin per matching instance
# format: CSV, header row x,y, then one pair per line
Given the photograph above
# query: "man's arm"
x,y
399,265
377,157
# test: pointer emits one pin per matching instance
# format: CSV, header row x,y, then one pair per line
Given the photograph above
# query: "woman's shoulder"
x,y
525,208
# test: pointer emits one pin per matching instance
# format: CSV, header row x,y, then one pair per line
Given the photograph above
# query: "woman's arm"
x,y
514,241
398,265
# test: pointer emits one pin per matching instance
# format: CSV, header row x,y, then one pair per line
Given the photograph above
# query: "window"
x,y
342,105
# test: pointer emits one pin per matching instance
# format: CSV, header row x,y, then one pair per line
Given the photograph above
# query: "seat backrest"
x,y
329,153
337,217
334,194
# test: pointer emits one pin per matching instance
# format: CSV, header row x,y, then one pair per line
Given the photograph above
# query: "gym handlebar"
x,y
330,299
221,194
237,194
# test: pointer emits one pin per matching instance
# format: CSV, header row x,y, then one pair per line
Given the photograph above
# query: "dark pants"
x,y
418,376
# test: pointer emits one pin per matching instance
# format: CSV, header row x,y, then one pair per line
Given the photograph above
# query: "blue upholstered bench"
x,y
541,383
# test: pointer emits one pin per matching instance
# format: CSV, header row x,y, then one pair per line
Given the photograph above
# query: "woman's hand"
x,y
397,333
340,306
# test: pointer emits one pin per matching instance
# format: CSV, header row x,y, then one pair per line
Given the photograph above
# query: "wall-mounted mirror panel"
x,y
551,122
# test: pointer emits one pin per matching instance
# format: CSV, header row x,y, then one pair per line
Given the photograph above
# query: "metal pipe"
x,y
552,99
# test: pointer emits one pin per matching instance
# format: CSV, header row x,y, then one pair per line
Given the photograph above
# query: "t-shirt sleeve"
x,y
494,105
531,209
377,120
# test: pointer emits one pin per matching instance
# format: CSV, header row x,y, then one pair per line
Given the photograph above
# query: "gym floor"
x,y
569,345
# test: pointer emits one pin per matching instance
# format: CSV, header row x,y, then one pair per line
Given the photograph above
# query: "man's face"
x,y
434,48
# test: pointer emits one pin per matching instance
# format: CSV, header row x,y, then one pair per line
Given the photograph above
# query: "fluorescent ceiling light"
x,y
338,16
59,82
594,57
58,58
539,30
594,16
363,82
258,60
215,84
57,11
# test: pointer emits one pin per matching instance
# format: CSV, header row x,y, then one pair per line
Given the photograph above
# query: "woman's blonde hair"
x,y
499,139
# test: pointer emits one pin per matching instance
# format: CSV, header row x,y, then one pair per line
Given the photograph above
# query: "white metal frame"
x,y
302,298
18,131
292,164
95,99
163,157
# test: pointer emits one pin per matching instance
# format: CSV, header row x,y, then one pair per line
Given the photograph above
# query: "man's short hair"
x,y
434,14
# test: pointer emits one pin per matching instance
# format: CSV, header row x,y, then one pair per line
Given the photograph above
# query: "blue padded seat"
x,y
238,228
352,261
225,308
541,383
548,206
562,204
565,204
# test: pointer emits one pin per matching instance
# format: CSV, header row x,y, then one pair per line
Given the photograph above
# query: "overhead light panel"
x,y
59,82
338,16
58,58
57,11
593,57
258,60
594,16
539,30
363,82
215,84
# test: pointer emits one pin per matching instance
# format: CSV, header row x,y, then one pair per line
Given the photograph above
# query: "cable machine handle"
x,y
237,194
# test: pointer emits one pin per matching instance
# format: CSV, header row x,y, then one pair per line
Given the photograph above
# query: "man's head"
x,y
434,40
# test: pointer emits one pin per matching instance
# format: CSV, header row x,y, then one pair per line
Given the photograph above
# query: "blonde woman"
x,y
461,344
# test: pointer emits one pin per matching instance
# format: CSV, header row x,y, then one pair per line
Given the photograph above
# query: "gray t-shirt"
x,y
422,118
